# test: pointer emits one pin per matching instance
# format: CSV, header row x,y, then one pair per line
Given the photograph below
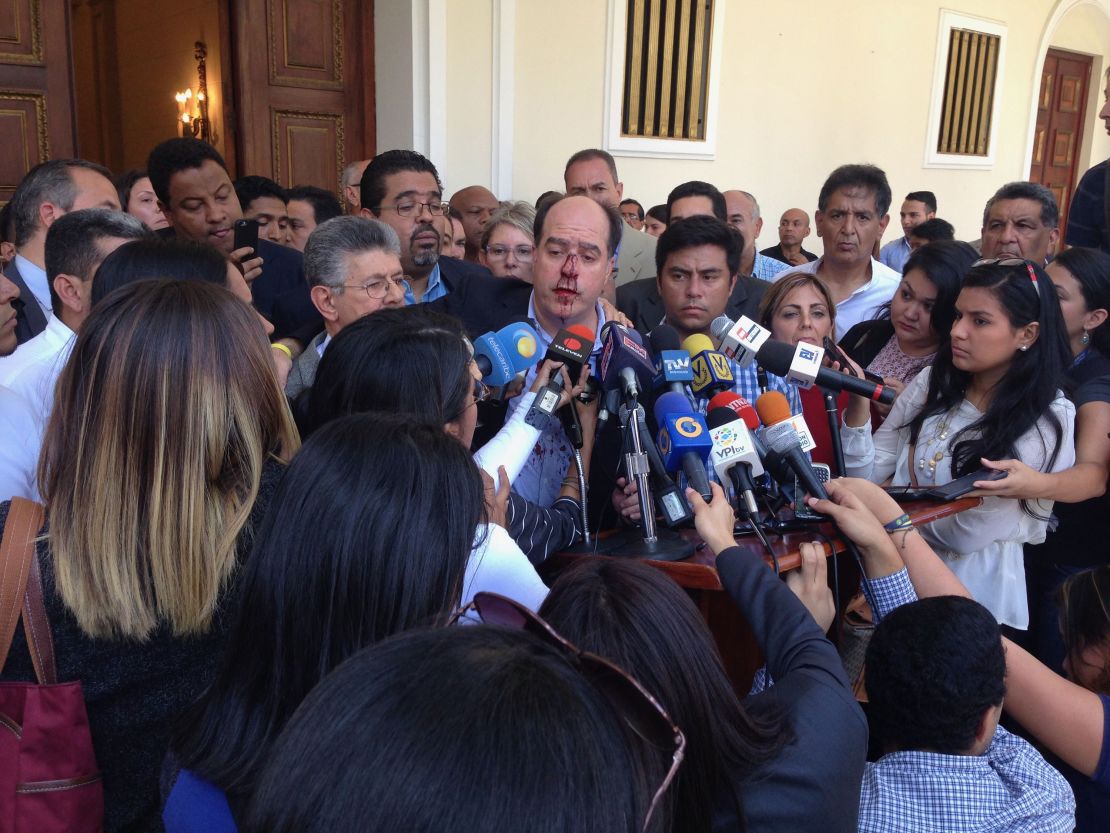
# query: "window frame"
x,y
950,20
638,146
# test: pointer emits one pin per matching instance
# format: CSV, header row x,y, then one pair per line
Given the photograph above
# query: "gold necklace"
x,y
940,433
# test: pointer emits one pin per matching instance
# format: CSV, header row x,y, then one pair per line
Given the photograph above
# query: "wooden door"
x,y
36,90
304,88
1061,112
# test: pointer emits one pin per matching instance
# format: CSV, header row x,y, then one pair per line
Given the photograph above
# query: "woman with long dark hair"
x,y
914,326
368,535
788,758
993,394
1082,281
481,728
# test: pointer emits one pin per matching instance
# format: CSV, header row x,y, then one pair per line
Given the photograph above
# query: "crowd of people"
x,y
369,631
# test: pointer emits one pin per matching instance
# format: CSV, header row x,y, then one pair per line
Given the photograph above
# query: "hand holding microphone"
x,y
714,520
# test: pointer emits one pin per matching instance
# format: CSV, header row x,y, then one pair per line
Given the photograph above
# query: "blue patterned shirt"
x,y
1008,788
433,291
765,268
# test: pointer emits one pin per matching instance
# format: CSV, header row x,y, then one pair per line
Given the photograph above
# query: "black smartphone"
x,y
246,234
962,485
801,509
837,355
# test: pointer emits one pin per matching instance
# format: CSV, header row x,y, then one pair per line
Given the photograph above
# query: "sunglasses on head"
x,y
1011,261
643,713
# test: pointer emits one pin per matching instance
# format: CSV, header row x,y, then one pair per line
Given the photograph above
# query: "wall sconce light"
x,y
192,110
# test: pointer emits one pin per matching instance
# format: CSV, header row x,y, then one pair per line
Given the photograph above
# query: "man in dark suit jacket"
x,y
195,192
640,301
48,191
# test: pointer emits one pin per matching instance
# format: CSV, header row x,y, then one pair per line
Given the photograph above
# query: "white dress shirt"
x,y
982,546
33,369
864,303
19,449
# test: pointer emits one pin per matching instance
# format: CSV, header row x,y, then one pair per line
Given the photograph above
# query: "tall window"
x,y
967,77
968,93
666,72
663,69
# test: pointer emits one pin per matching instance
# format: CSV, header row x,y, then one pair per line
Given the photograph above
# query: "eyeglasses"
x,y
641,711
1011,261
522,252
481,391
408,209
376,290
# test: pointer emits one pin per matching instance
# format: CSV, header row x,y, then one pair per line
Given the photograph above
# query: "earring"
x,y
1086,338
1024,347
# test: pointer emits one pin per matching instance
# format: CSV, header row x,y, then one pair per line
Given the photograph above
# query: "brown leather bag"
x,y
49,780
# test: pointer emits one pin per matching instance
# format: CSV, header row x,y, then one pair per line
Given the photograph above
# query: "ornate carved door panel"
x,y
304,72
36,95
1061,113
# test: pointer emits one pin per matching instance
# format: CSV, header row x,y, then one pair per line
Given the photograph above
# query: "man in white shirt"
x,y
75,245
47,192
851,218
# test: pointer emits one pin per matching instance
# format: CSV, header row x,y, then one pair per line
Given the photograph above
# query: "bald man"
x,y
793,229
475,204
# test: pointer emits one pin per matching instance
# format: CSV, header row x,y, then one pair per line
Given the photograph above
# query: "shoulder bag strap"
x,y
17,561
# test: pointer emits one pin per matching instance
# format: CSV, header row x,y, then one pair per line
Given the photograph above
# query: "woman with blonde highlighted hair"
x,y
161,453
799,308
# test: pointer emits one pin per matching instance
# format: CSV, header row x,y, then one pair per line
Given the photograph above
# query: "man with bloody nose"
x,y
575,247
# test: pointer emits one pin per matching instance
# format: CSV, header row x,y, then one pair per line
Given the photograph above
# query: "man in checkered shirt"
x,y
935,683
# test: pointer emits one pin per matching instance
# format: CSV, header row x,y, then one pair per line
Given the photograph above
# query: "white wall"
x,y
804,88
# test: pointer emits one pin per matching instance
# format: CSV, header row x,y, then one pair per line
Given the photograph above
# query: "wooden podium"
x,y
698,574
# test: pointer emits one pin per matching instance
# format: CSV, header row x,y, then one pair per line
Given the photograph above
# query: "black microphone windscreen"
x,y
665,337
776,356
720,416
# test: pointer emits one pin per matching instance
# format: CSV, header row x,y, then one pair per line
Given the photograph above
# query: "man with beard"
x,y
402,189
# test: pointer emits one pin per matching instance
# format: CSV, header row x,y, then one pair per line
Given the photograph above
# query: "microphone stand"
x,y
670,547
834,431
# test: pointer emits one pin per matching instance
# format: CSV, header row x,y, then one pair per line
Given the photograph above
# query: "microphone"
x,y
773,408
739,340
782,438
672,363
625,363
501,355
712,372
572,347
778,356
684,440
734,455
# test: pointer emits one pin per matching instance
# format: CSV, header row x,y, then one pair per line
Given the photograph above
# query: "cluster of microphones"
x,y
738,442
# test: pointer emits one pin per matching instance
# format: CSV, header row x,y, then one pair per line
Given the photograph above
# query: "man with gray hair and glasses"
x,y
353,268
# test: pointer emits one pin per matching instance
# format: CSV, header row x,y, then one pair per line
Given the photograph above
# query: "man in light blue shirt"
x,y
918,207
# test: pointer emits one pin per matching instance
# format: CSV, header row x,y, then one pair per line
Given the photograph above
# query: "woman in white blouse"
x,y
993,393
